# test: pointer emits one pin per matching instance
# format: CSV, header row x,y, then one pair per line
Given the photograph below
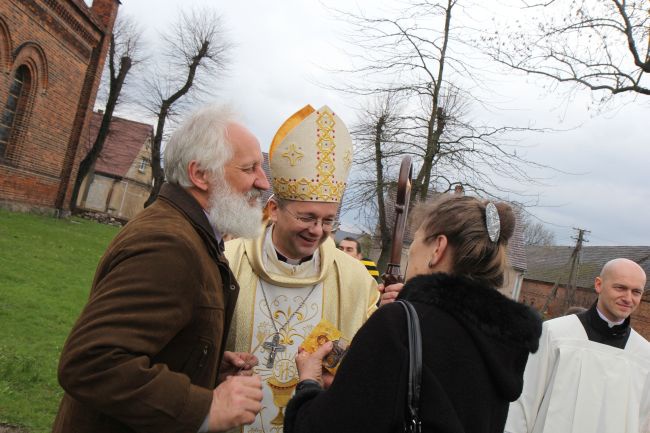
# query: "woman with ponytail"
x,y
475,341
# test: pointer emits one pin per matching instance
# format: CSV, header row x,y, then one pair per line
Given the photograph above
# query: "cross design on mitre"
x,y
293,154
274,347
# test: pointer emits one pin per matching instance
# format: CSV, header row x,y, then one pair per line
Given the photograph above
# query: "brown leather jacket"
x,y
144,354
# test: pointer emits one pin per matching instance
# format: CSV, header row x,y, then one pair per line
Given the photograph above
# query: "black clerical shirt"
x,y
292,261
599,331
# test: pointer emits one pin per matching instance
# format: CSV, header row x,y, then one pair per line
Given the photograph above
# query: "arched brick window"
x,y
15,113
29,79
5,47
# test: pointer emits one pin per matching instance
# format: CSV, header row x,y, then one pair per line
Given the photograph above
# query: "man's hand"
x,y
389,293
236,401
236,364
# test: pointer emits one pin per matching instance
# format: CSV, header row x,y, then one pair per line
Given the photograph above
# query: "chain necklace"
x,y
274,346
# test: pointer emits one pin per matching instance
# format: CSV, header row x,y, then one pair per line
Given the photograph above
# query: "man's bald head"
x,y
620,287
622,265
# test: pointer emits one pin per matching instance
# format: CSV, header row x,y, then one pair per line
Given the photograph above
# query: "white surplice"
x,y
573,385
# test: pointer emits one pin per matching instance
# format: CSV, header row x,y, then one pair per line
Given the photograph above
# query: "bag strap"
x,y
415,367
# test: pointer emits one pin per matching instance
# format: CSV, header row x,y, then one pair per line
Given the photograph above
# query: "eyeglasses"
x,y
326,223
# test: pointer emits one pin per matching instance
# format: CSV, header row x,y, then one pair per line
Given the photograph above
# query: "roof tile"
x,y
124,141
548,263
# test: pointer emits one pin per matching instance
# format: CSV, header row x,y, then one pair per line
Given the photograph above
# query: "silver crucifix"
x,y
273,347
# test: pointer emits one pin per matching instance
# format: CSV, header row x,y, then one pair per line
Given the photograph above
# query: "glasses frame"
x,y
309,221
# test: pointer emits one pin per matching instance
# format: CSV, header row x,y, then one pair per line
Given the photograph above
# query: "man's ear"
x,y
198,176
272,208
598,285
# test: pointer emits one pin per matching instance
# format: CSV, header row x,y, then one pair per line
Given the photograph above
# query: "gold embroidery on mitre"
x,y
327,183
325,145
308,190
293,154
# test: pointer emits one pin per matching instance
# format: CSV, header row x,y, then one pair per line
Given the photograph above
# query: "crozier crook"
x,y
393,273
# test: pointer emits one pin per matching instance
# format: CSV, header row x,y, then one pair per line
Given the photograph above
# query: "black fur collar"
x,y
475,303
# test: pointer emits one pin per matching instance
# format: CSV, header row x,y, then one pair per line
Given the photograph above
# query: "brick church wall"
x,y
65,44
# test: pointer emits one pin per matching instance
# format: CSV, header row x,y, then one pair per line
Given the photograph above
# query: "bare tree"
x,y
409,58
603,45
376,145
535,232
124,52
413,55
196,50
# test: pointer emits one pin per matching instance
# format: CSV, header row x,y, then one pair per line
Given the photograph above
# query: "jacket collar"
x,y
476,304
179,198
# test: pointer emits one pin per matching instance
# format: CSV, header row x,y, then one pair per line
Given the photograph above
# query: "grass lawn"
x,y
46,268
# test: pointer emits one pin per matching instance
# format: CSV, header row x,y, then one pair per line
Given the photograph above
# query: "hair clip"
x,y
492,221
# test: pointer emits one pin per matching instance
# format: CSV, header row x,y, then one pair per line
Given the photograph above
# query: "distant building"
x,y
550,264
120,183
517,260
51,59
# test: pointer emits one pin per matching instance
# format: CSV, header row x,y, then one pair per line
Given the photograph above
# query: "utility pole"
x,y
569,299
573,274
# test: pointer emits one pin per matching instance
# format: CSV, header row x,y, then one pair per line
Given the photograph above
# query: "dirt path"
x,y
6,428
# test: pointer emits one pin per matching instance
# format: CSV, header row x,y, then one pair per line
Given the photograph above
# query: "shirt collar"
x,y
606,320
293,262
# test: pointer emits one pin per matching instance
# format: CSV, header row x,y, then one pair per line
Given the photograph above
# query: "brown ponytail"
x,y
462,220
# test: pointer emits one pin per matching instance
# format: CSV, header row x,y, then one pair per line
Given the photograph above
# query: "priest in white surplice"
x,y
591,373
293,275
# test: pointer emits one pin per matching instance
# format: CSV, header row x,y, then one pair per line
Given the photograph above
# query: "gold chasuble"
x,y
280,299
281,302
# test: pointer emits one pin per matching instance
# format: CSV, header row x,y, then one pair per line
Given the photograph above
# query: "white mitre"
x,y
311,156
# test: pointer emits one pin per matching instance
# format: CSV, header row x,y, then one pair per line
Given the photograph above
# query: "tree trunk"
x,y
434,128
116,83
384,256
157,172
166,104
384,230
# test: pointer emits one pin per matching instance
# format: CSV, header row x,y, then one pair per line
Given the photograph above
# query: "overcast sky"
x,y
282,48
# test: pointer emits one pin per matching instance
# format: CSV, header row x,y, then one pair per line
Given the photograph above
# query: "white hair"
x,y
203,138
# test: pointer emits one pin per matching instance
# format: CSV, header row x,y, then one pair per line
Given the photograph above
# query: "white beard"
x,y
231,213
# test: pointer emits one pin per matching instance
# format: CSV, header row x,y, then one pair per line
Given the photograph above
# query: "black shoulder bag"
x,y
412,422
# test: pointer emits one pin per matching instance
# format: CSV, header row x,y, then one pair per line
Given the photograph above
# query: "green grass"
x,y
46,268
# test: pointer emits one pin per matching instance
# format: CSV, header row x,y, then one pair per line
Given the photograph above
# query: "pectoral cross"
x,y
273,347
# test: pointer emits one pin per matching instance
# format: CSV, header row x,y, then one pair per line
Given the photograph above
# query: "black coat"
x,y
475,347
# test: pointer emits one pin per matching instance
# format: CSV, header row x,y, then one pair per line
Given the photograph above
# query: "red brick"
x,y
74,41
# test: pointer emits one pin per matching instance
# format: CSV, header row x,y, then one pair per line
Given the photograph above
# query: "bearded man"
x,y
148,349
292,276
